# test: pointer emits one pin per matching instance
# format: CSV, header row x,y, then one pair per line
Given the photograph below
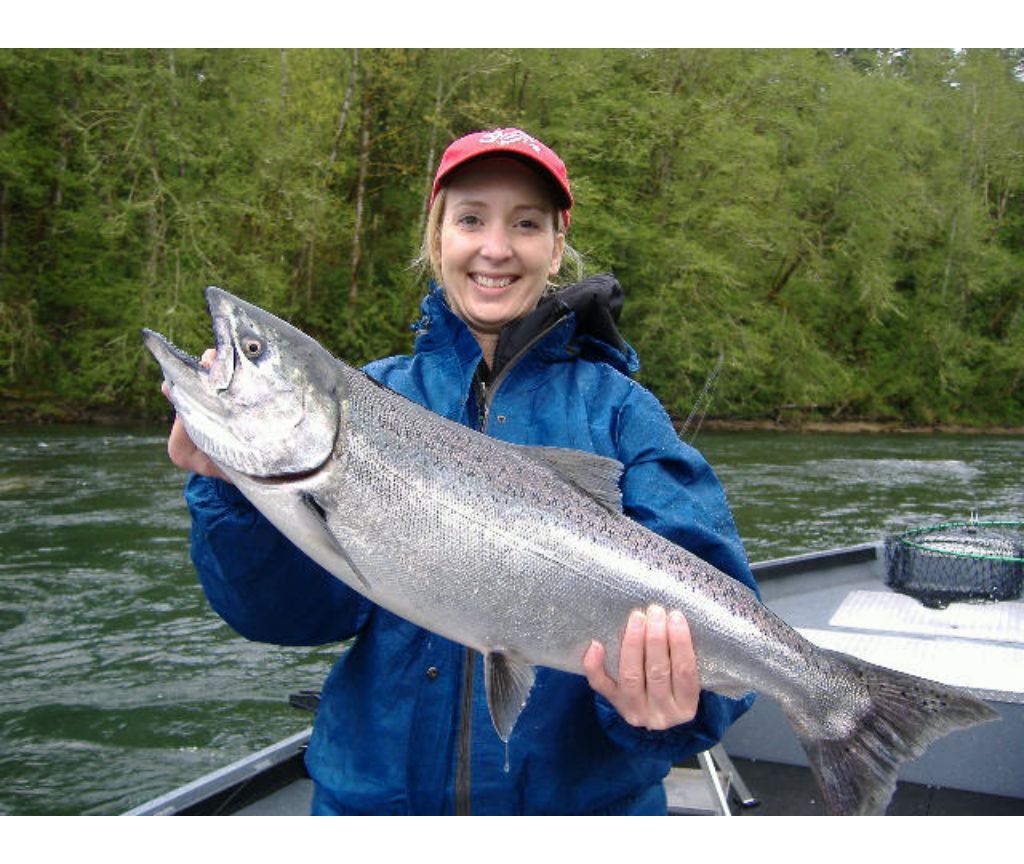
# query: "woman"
x,y
403,725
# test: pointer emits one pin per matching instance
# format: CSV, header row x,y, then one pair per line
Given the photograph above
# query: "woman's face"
x,y
499,243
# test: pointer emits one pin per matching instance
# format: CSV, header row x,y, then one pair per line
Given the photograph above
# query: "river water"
x,y
119,682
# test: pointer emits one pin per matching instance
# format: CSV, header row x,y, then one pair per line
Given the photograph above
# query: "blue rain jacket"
x,y
394,708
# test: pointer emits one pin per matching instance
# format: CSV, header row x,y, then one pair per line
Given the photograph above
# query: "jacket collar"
x,y
440,329
582,319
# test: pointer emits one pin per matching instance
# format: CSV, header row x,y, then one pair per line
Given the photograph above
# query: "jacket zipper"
x,y
463,786
487,391
463,754
482,405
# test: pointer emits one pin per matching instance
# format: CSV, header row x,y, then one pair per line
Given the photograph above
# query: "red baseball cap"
x,y
514,142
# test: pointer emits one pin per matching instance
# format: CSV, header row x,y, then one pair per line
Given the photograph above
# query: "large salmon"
x,y
520,553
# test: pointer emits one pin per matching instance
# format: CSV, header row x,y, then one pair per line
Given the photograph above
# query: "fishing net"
x,y
958,561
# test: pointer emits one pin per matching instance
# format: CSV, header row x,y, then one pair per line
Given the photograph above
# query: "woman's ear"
x,y
556,255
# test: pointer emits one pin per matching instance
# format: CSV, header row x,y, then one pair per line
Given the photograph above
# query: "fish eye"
x,y
251,347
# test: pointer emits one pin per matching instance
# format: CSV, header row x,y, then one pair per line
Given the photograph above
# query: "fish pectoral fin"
x,y
508,682
596,476
325,535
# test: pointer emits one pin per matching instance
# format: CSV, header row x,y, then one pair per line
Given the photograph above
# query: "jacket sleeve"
x,y
669,487
257,580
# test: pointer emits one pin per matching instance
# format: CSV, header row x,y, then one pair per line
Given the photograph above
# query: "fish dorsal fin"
x,y
508,682
596,476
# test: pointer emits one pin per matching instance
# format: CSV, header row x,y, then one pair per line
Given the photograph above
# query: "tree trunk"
x,y
357,229
431,155
346,104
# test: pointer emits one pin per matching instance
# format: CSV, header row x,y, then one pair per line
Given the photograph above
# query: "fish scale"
x,y
521,553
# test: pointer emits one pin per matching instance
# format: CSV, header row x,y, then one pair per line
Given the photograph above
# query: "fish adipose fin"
x,y
596,476
904,714
508,682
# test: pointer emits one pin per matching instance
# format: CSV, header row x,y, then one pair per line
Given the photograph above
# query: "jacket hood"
x,y
592,306
597,304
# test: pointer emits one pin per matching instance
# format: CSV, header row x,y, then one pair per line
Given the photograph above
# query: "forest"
x,y
831,235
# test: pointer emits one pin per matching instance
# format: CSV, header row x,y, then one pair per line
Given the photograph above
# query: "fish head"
x,y
268,406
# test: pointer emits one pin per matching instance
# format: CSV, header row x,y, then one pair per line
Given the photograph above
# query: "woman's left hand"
x,y
658,685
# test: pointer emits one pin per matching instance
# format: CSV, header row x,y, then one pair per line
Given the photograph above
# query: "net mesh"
x,y
973,560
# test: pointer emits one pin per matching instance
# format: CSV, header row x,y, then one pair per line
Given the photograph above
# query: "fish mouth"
x,y
165,350
179,365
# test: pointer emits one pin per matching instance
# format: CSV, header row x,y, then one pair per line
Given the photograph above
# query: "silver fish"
x,y
521,553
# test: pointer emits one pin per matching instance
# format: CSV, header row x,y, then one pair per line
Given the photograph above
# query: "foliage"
x,y
847,227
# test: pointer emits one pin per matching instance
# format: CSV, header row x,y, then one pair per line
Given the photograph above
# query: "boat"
x,y
839,599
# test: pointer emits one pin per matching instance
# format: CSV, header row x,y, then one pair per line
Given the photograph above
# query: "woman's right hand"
x,y
181,448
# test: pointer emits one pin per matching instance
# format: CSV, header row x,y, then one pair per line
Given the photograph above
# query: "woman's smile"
x,y
492,283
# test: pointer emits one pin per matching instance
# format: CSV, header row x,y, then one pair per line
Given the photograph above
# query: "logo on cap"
x,y
505,137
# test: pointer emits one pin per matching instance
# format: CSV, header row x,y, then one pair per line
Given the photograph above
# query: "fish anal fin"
x,y
508,682
596,476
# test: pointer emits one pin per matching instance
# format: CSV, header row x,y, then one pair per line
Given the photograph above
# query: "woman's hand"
x,y
658,685
181,448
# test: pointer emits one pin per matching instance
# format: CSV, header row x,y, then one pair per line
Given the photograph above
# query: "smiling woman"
x,y
500,350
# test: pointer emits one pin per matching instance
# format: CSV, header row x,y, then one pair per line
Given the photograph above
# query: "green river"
x,y
120,683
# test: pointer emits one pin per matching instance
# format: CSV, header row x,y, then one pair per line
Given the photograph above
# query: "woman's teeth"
x,y
488,282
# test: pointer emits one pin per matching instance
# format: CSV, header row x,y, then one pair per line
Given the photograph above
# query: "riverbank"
x,y
16,410
854,427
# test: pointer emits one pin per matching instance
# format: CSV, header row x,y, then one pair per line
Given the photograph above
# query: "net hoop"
x,y
964,560
907,539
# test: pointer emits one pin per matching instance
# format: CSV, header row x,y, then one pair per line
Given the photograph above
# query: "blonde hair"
x,y
429,259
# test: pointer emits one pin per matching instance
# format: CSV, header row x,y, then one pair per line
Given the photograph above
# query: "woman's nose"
x,y
497,244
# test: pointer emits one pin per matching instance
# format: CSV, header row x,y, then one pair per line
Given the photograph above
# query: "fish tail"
x,y
855,756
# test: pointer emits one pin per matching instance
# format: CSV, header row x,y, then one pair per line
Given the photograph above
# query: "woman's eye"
x,y
469,220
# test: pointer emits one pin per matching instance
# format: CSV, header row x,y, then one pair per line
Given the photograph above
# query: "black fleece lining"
x,y
597,302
